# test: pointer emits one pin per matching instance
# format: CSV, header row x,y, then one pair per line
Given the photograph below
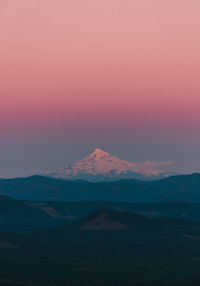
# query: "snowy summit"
x,y
101,166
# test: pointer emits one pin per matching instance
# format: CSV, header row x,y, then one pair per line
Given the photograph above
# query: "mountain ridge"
x,y
182,188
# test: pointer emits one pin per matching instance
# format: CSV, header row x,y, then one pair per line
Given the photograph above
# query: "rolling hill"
x,y
28,216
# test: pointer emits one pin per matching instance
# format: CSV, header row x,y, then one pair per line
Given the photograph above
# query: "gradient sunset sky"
x,y
121,75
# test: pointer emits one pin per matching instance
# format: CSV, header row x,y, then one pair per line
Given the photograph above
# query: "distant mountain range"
x,y
184,188
101,166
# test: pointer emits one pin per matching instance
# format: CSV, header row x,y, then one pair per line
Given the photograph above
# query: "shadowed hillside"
x,y
28,216
105,248
17,216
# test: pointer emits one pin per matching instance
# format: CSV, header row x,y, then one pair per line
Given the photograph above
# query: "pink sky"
x,y
116,65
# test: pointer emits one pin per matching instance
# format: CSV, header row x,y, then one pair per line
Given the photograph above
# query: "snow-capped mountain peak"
x,y
98,154
100,165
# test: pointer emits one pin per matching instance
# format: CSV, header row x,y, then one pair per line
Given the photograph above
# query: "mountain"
x,y
101,166
184,188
